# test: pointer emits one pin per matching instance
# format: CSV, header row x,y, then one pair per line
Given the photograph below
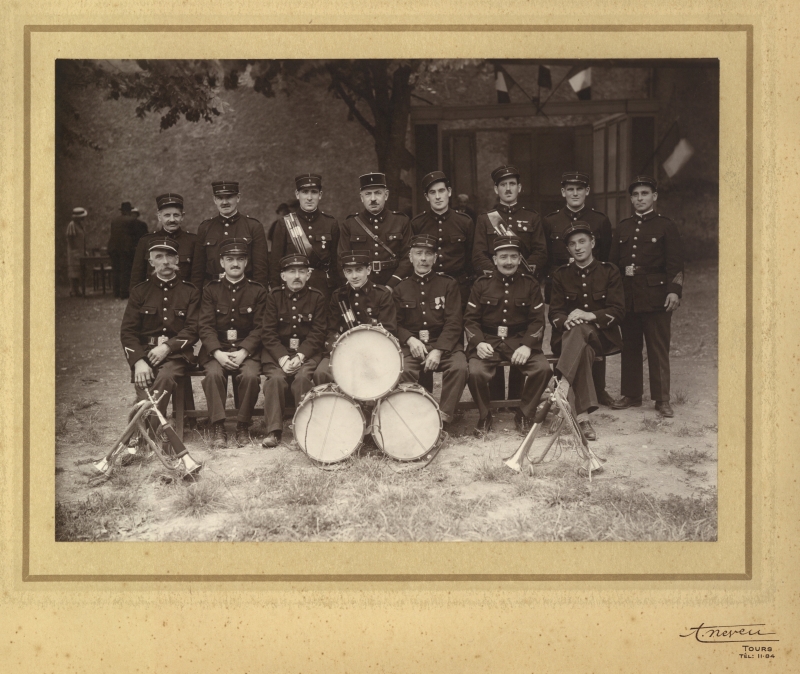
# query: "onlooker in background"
x,y
76,248
462,206
281,211
125,232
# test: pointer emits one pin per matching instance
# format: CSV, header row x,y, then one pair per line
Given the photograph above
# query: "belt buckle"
x,y
294,343
502,331
424,336
231,335
376,265
630,269
162,339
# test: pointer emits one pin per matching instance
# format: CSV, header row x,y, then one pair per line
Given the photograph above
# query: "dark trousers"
x,y
215,384
578,348
166,375
121,266
653,328
537,370
276,382
453,367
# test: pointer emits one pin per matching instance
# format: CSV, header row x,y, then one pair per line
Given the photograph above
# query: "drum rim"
x,y
395,341
408,389
328,391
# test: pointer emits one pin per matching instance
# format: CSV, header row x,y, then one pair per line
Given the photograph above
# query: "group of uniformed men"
x,y
462,298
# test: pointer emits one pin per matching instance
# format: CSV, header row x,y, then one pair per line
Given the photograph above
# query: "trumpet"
x,y
516,461
179,451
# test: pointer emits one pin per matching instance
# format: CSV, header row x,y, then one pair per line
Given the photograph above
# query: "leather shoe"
x,y
625,402
587,430
522,423
483,426
603,398
271,440
664,408
220,438
242,434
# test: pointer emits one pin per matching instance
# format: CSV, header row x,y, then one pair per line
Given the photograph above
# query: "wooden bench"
x,y
181,414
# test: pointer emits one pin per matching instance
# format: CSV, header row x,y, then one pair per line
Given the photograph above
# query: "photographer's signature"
x,y
728,634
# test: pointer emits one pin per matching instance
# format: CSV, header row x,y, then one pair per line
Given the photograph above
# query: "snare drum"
x,y
406,424
366,362
328,425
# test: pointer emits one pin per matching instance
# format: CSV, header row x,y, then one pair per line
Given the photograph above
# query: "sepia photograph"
x,y
386,300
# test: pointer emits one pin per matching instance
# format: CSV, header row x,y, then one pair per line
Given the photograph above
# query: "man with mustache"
x,y
292,335
321,238
371,304
229,223
430,326
170,216
648,251
505,321
380,234
230,329
587,307
159,326
575,189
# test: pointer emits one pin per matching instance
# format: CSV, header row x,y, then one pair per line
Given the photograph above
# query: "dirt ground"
x,y
659,481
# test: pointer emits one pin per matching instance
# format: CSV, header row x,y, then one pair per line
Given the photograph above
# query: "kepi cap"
x,y
354,260
432,178
575,177
505,171
372,180
507,242
224,187
163,244
424,241
308,180
79,212
643,180
233,247
577,226
169,200
295,260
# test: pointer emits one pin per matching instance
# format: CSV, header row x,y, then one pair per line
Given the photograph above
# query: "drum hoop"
x,y
330,390
406,388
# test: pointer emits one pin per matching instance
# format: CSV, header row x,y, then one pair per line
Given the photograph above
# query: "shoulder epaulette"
x,y
563,266
353,215
553,213
258,283
527,275
441,273
214,280
382,287
419,215
250,217
276,289
315,290
141,283
189,283
327,215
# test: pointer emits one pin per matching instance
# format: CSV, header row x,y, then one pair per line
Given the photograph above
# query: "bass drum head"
x,y
366,363
328,426
406,424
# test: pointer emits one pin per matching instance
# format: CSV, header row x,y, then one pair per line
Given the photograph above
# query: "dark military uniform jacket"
x,y
511,302
185,242
647,250
371,305
394,230
524,223
294,322
596,288
235,307
558,222
210,236
455,233
433,303
156,309
322,231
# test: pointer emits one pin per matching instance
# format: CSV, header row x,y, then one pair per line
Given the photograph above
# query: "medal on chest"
x,y
438,302
523,225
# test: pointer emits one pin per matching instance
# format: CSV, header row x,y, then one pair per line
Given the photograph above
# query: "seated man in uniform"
x,y
430,325
292,334
587,305
368,303
159,327
504,320
230,330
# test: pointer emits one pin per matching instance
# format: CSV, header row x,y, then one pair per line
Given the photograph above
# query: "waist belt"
x,y
637,270
222,336
495,330
154,341
379,265
433,333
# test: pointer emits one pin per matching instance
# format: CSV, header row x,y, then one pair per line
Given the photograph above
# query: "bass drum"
x,y
366,362
328,425
406,424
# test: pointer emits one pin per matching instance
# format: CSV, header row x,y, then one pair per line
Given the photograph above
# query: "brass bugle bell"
x,y
102,466
515,461
190,465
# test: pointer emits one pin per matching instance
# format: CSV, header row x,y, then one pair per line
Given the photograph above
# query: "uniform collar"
x,y
646,216
363,289
588,268
165,284
229,220
172,235
574,214
374,219
423,279
440,217
292,294
508,210
230,284
506,279
308,217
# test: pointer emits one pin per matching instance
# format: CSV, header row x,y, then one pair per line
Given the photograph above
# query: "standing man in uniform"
x,y
170,216
231,314
380,234
505,321
369,304
587,307
124,235
647,250
293,337
159,327
430,324
318,238
575,189
228,224
453,231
